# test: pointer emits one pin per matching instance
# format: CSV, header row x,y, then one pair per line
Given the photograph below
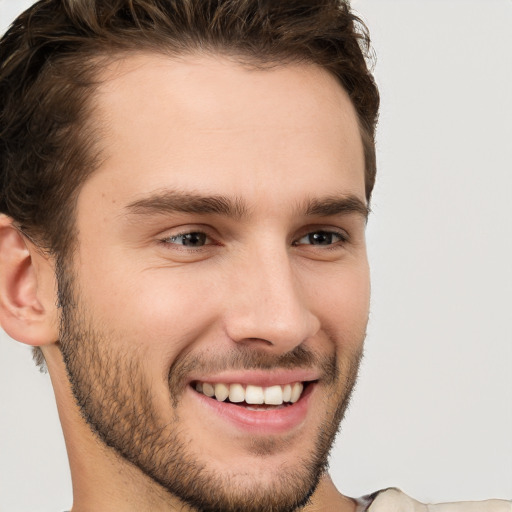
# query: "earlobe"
x,y
27,311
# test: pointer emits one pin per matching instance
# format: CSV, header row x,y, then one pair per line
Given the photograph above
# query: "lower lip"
x,y
269,421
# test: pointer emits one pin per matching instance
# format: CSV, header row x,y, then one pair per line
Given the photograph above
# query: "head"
x,y
162,155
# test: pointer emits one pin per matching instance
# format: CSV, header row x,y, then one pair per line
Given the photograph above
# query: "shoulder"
x,y
394,500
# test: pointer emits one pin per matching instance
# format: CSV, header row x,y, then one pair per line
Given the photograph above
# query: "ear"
x,y
28,305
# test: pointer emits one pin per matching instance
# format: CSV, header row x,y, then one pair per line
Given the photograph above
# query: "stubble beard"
x,y
117,402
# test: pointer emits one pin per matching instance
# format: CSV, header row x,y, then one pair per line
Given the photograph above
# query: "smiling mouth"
x,y
255,398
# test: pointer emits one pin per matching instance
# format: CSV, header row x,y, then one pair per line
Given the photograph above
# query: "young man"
x,y
185,187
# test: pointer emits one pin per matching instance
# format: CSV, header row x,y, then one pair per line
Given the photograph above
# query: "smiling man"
x,y
202,329
185,187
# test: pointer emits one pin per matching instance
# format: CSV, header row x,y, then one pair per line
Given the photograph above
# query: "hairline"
x,y
99,73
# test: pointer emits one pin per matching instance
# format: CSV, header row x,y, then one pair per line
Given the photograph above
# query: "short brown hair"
x,y
49,62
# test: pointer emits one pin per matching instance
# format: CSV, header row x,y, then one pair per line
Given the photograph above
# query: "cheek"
x,y
160,312
343,305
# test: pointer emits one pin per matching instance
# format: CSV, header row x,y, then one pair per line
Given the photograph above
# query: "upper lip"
x,y
263,378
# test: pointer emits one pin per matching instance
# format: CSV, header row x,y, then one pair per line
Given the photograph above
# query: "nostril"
x,y
255,342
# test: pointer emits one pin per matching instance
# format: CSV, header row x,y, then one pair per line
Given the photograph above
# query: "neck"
x,y
327,498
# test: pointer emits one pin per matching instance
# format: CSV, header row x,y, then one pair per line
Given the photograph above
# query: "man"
x,y
185,187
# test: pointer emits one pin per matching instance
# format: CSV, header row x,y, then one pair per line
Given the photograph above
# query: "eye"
x,y
322,238
192,239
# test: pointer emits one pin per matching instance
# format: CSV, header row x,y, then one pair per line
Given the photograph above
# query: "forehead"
x,y
211,124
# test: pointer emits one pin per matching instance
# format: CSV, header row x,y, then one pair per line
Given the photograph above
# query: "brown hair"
x,y
49,62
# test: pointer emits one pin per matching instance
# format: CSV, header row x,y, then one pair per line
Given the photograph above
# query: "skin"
x,y
269,140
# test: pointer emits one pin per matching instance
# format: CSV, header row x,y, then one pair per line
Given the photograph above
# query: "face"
x,y
215,310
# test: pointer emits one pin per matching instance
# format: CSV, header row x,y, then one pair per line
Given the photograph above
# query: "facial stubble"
x,y
117,402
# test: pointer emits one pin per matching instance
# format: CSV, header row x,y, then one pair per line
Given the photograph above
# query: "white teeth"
x,y
221,392
208,389
254,395
236,393
287,393
296,392
274,395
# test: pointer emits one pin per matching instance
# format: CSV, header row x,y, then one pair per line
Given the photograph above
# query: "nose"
x,y
267,306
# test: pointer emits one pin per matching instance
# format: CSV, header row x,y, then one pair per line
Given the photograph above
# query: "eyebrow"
x,y
169,201
336,205
185,202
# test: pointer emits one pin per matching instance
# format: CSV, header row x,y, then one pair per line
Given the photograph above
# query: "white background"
x,y
433,410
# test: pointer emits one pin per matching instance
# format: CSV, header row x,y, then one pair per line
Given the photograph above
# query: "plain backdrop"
x,y
432,413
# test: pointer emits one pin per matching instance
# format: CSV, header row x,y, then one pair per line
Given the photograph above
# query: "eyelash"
x,y
342,236
168,240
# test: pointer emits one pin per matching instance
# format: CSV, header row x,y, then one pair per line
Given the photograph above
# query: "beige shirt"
x,y
394,500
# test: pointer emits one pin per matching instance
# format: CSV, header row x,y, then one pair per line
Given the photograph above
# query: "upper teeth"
x,y
272,395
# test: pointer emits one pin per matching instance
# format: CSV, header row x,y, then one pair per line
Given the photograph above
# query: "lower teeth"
x,y
264,407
